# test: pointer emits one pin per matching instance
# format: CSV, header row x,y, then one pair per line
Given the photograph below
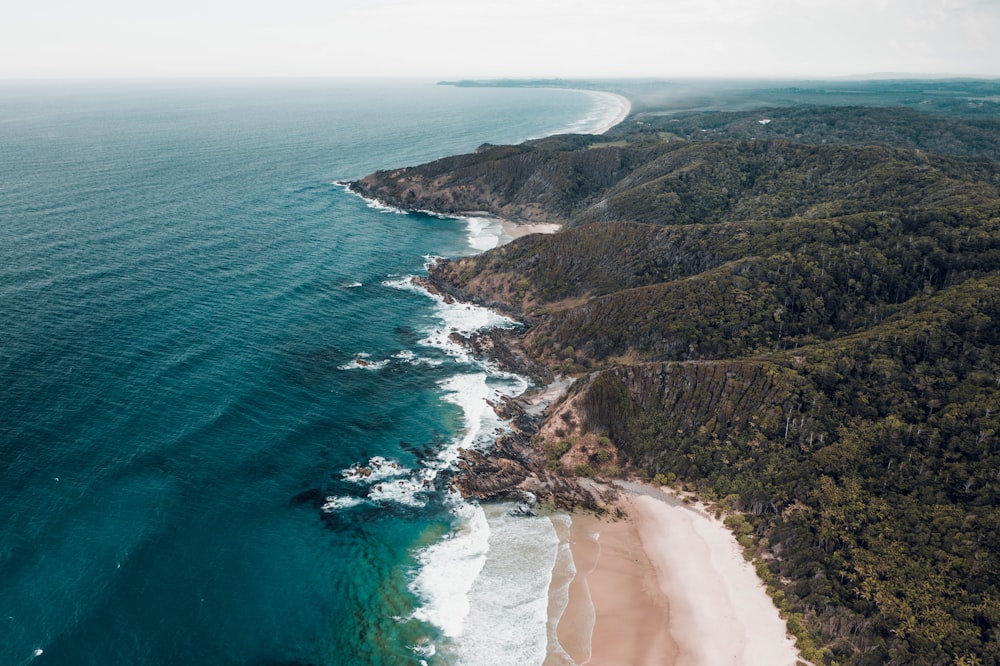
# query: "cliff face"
x,y
807,334
714,398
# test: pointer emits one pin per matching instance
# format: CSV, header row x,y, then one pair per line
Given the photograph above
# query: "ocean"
x,y
227,416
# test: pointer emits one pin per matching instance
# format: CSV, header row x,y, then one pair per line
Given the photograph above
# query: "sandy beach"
x,y
514,230
625,108
667,586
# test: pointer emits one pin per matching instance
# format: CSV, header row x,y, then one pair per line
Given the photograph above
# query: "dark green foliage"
x,y
680,182
808,333
975,137
713,182
870,463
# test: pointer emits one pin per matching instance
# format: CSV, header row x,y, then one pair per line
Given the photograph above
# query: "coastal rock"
x,y
501,346
487,477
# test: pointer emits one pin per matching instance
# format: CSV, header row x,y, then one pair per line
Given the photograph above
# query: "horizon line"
x,y
868,76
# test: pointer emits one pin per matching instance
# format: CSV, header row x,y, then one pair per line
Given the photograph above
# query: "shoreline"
x,y
664,585
629,591
614,612
667,585
623,112
508,230
658,581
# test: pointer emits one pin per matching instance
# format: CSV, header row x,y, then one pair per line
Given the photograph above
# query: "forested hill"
x,y
805,333
968,137
577,179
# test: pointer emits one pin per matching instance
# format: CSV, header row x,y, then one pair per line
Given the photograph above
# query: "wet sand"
x,y
666,586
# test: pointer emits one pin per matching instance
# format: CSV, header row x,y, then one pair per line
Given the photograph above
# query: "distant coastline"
x,y
623,113
625,104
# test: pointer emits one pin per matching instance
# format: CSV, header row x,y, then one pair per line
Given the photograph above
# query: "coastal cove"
x,y
652,578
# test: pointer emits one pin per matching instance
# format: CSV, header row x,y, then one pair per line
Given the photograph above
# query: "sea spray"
x,y
486,585
507,621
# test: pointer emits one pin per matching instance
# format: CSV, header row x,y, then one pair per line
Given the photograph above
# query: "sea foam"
x,y
454,594
485,586
483,233
508,601
384,481
451,318
449,568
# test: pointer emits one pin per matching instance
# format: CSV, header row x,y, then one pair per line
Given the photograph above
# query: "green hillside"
x,y
806,333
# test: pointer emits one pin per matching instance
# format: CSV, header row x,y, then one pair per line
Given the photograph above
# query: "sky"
x,y
493,38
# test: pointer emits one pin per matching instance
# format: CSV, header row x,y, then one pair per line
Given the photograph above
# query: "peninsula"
x,y
790,310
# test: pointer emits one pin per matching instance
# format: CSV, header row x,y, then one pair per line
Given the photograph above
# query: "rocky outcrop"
x,y
515,469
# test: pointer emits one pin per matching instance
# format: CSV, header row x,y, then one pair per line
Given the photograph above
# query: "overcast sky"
x,y
493,38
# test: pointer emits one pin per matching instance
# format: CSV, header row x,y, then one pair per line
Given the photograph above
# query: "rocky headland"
x,y
803,333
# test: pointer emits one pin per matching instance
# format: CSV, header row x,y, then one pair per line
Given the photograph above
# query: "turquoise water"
x,y
199,333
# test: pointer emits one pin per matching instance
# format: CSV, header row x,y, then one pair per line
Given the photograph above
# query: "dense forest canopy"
x,y
799,319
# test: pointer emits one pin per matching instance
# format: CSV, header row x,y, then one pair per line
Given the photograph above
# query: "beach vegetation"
x,y
612,471
603,456
562,448
667,479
